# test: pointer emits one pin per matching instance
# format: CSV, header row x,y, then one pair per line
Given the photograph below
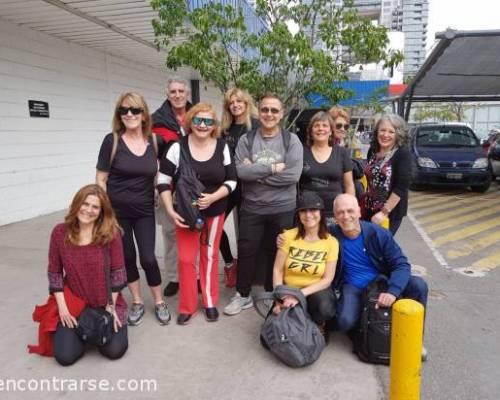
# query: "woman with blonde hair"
x,y
78,249
126,169
209,157
340,127
239,116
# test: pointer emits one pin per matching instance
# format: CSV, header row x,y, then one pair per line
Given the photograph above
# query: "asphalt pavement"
x,y
224,360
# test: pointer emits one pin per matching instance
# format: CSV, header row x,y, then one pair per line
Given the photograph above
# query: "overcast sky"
x,y
462,15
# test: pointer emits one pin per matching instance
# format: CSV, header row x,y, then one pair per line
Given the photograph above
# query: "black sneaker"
x,y
171,289
183,319
211,314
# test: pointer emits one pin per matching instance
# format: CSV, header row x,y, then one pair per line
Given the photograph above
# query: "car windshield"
x,y
446,136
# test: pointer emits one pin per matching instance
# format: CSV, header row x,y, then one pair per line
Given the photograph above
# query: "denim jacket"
x,y
385,254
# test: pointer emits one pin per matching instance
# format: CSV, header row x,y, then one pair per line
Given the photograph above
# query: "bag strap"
x,y
283,290
261,297
113,148
107,273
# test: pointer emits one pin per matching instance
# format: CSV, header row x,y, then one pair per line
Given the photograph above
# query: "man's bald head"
x,y
347,214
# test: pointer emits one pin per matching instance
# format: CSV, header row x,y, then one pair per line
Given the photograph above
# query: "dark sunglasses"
x,y
133,110
207,121
340,126
267,110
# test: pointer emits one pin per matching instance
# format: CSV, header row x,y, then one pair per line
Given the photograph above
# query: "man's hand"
x,y
385,300
279,167
247,161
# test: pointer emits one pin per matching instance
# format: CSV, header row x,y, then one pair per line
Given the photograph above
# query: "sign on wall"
x,y
39,109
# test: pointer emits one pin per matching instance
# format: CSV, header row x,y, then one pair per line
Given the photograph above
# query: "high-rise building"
x,y
407,16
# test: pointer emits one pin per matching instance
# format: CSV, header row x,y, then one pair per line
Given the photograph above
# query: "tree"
x,y
301,47
444,112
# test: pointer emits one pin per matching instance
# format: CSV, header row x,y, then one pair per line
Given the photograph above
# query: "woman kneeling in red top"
x,y
76,261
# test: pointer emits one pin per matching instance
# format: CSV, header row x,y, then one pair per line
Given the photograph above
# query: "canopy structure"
x,y
463,66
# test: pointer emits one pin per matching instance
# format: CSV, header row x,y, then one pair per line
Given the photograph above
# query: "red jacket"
x,y
48,316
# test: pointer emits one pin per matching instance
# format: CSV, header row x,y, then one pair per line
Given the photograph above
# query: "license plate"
x,y
453,176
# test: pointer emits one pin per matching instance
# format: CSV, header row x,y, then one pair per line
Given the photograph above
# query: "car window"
x,y
446,136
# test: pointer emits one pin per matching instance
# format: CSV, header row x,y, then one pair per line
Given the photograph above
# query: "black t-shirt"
x,y
130,184
326,179
234,133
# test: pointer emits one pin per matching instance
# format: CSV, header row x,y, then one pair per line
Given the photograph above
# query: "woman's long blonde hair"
x,y
251,110
105,227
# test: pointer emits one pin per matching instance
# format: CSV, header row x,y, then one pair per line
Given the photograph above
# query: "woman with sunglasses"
x,y
387,173
239,116
340,126
128,176
327,168
306,260
211,160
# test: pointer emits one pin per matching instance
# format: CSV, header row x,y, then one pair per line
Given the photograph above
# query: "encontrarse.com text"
x,y
55,384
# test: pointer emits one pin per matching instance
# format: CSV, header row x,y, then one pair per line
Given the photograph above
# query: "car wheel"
x,y
481,188
416,187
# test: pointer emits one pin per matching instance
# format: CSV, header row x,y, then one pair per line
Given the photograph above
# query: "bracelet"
x,y
385,211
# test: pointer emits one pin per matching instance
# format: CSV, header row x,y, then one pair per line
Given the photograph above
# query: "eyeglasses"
x,y
199,120
340,126
267,110
133,110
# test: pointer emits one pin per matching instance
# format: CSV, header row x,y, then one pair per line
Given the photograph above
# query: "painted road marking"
x,y
461,220
488,263
440,215
466,232
429,203
474,245
445,206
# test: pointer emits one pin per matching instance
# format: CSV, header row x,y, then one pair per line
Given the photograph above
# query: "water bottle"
x,y
199,224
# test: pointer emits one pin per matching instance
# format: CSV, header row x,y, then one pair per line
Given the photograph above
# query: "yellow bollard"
x,y
406,350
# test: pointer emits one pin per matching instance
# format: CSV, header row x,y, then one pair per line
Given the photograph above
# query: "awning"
x,y
463,66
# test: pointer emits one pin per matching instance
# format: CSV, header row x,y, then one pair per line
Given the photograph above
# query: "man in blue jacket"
x,y
367,251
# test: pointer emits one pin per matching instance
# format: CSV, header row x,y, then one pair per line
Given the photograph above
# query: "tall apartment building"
x,y
407,16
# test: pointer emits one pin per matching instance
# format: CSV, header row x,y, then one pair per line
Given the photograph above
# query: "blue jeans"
x,y
350,302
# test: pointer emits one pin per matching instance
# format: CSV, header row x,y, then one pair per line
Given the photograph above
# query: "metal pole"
x,y
406,350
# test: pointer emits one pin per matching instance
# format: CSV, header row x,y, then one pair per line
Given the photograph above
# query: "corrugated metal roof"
x,y
119,27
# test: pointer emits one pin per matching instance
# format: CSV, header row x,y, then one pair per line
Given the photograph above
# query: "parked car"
x,y
448,154
494,156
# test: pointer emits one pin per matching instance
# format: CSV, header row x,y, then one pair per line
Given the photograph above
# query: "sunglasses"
x,y
199,120
267,110
342,126
133,110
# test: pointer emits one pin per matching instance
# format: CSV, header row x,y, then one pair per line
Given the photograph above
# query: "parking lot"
x,y
461,226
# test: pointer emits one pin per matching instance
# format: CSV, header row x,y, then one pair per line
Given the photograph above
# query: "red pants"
x,y
189,244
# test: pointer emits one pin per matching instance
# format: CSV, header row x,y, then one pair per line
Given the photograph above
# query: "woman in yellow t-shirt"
x,y
306,260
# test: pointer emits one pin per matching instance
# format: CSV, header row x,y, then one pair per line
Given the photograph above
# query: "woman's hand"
x,y
277,308
280,240
378,218
116,321
178,220
205,200
67,320
289,301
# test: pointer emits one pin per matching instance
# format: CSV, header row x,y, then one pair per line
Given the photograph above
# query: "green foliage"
x,y
444,112
305,48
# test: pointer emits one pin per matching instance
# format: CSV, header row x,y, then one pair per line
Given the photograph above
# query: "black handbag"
x,y
95,324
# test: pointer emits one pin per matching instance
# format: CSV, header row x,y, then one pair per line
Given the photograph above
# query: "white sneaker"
x,y
237,304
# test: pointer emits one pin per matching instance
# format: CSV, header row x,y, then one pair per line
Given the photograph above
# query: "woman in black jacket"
x,y
387,173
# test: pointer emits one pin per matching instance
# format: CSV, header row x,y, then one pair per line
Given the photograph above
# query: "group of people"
x,y
301,197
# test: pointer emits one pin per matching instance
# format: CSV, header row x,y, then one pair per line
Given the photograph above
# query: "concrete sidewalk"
x,y
222,360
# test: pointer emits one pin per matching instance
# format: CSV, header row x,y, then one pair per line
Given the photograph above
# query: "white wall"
x,y
43,161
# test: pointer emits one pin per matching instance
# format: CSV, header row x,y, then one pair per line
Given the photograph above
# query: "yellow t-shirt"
x,y
306,261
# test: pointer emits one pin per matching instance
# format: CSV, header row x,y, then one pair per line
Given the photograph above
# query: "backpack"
x,y
291,335
187,190
372,342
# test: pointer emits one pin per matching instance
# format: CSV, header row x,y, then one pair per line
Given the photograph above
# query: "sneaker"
x,y
230,273
183,319
162,314
425,356
135,314
237,304
211,314
171,289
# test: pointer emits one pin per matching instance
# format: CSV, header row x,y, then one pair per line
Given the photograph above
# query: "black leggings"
x,y
321,305
68,347
234,200
144,230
